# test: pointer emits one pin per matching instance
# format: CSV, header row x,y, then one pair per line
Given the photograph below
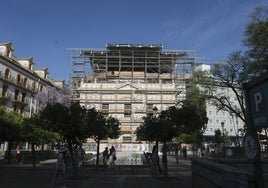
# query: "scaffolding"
x,y
127,80
134,62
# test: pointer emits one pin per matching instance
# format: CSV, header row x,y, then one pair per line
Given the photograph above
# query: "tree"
x,y
256,39
113,126
54,95
149,129
191,117
101,128
69,122
33,133
187,119
158,128
10,128
228,76
218,137
239,68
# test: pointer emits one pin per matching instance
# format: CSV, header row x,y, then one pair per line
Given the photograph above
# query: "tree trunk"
x,y
156,143
33,155
72,159
164,159
98,152
9,147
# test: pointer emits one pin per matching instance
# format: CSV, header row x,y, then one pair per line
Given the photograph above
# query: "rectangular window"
x,y
127,110
16,97
127,139
105,110
149,108
4,91
23,97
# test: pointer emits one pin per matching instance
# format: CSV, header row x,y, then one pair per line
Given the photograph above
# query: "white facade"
x,y
127,102
128,81
19,81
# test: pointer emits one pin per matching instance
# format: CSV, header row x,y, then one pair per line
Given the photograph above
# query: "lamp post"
x,y
155,111
222,126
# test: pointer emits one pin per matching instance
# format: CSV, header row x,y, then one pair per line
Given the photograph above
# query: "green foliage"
x,y
96,124
148,130
69,122
11,125
101,128
229,76
189,119
191,116
75,124
256,39
218,138
33,132
239,68
195,137
113,126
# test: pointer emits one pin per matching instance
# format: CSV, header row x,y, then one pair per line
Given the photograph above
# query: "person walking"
x,y
184,152
105,156
156,169
176,151
112,157
82,154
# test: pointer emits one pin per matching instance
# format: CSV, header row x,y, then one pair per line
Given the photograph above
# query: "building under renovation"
x,y
128,81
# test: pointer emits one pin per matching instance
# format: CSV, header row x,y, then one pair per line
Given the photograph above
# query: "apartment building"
x,y
219,119
20,81
128,81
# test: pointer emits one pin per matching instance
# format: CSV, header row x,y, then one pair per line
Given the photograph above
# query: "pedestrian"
x,y
82,154
155,158
60,163
105,155
18,155
112,157
199,152
176,151
184,152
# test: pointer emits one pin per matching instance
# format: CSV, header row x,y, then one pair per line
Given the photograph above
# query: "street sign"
x,y
257,96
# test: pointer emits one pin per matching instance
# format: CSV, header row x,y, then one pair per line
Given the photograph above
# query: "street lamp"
x,y
222,126
155,110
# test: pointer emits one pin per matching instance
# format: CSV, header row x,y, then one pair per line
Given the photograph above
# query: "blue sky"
x,y
45,29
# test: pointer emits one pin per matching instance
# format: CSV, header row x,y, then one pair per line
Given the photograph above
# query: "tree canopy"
x,y
256,39
188,118
239,68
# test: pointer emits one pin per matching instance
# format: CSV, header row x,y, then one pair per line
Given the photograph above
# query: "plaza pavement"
x,y
24,176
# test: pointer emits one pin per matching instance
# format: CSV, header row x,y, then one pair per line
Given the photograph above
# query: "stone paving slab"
x,y
23,176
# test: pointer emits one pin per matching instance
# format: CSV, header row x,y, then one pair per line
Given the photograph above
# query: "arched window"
x,y
7,74
25,82
18,79
33,86
41,88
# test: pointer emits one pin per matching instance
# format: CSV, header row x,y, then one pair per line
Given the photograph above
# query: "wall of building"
x,y
19,83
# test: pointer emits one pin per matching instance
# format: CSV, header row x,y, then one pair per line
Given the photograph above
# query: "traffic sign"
x,y
257,96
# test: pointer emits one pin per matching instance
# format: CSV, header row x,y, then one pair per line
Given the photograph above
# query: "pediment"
x,y
127,86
